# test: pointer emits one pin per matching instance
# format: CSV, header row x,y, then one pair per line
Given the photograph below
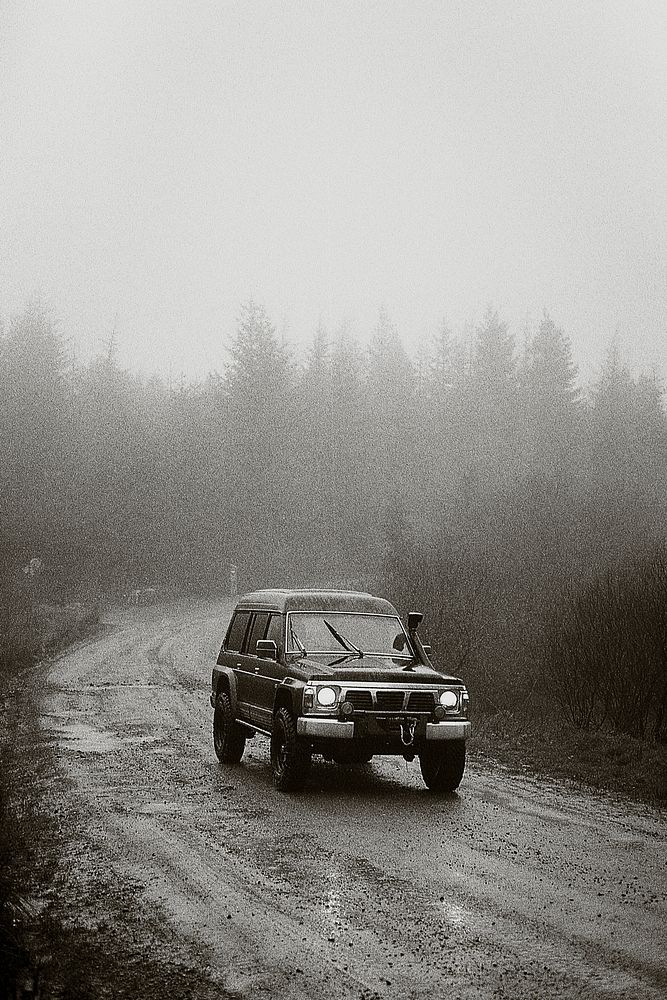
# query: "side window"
x,y
237,631
275,631
256,632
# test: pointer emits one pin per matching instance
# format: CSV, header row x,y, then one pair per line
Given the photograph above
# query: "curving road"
x,y
365,885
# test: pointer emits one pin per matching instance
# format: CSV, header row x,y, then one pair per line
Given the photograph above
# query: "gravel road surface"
x,y
363,886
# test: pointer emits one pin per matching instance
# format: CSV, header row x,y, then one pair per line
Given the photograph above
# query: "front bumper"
x,y
324,728
448,729
316,728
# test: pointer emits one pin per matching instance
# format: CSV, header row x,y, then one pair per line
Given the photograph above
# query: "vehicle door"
x,y
250,667
231,655
270,672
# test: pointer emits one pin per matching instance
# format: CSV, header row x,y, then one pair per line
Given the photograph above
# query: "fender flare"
x,y
288,696
224,680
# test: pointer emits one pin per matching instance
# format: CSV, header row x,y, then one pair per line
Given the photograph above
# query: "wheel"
x,y
290,759
228,737
442,768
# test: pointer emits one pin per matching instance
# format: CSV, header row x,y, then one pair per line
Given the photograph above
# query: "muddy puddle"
x,y
82,738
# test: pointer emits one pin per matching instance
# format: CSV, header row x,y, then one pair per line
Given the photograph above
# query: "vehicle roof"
x,y
316,600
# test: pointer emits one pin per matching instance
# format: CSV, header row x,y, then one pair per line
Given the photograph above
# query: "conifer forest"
x,y
476,479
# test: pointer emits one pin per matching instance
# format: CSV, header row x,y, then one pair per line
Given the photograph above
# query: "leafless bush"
x,y
31,632
462,617
606,658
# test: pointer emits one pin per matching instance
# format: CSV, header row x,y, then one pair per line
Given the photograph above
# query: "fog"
x,y
345,295
164,163
342,295
484,487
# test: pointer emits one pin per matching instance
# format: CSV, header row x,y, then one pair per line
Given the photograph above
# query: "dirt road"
x,y
364,885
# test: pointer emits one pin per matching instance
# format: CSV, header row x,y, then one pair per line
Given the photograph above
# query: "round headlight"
x,y
449,699
326,697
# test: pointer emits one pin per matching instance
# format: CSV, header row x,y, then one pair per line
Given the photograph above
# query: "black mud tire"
x,y
442,767
228,737
290,759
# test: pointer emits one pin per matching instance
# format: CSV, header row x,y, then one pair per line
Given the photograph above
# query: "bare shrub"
x,y
462,619
606,657
31,632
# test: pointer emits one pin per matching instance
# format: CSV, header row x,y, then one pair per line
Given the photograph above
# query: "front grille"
x,y
361,700
421,701
389,701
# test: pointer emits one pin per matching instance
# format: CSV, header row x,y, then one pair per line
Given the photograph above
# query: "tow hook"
x,y
408,731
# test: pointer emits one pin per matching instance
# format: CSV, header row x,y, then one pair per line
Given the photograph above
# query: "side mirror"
x,y
414,618
267,649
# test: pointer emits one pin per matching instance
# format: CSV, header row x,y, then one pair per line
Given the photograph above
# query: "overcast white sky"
x,y
162,162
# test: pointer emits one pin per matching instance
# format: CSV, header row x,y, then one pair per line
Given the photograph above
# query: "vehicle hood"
x,y
372,669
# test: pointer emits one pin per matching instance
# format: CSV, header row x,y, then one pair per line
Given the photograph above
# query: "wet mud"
x,y
363,886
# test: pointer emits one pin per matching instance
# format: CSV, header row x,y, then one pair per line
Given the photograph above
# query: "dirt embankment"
x,y
605,760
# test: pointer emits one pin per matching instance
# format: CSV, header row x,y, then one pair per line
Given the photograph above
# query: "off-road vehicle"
x,y
335,673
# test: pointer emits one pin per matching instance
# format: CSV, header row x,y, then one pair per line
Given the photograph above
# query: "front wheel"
x,y
442,767
290,759
228,737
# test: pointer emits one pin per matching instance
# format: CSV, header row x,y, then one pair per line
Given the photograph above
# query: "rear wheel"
x,y
442,767
290,759
228,737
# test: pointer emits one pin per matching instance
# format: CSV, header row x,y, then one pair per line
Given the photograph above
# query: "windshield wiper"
x,y
343,659
345,643
295,639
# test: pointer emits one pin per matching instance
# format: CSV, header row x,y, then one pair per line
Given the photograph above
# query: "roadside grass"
x,y
106,962
27,861
28,633
33,631
605,760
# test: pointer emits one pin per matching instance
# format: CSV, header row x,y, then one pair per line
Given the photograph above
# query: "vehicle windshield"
x,y
375,635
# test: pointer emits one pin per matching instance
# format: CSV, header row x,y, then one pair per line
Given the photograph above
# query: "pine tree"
x,y
319,355
256,400
389,407
551,397
494,415
391,373
443,369
107,472
494,363
438,413
258,370
35,435
627,464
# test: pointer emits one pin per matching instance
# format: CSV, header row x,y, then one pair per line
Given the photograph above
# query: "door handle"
x,y
257,669
238,666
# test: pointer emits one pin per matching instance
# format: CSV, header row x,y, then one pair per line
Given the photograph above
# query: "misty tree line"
x,y
475,479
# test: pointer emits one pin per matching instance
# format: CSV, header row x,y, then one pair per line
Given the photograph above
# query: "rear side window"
x,y
257,632
237,631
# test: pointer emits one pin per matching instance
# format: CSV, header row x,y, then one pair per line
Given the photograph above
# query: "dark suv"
x,y
335,673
